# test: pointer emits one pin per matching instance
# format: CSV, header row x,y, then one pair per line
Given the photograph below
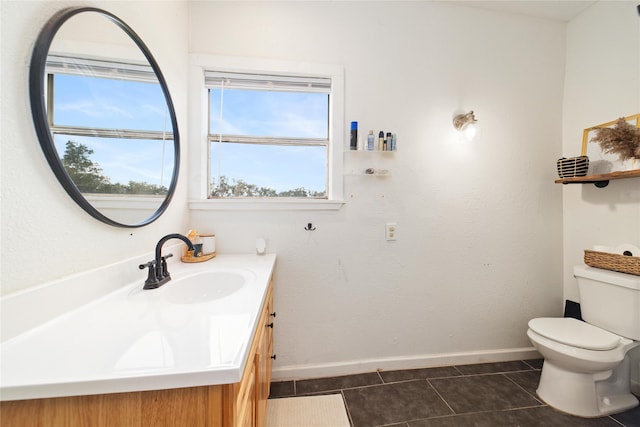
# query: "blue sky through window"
x,y
270,114
267,113
280,167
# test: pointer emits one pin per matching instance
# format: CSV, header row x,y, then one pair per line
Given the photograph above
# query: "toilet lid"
x,y
574,332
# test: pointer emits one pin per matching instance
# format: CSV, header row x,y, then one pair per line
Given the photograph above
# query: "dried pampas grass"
x,y
622,140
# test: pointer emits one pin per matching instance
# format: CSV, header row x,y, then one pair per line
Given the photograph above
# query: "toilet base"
x,y
586,395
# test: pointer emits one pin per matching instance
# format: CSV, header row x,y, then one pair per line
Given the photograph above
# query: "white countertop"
x,y
135,340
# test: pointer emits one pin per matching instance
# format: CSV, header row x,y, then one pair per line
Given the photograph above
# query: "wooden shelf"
x,y
601,180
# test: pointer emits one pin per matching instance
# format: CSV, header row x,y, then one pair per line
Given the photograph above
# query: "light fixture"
x,y
466,123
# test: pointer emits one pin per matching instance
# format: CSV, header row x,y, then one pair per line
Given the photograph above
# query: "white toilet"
x,y
587,365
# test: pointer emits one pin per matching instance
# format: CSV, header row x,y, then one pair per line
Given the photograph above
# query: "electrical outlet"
x,y
390,230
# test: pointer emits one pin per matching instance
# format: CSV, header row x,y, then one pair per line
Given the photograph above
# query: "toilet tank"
x,y
610,300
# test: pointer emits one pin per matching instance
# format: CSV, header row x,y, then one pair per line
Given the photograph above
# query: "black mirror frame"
x,y
39,111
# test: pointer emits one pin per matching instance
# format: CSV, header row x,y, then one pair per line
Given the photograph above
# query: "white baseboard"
x,y
349,367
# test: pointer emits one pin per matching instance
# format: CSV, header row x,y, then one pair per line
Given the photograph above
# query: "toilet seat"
x,y
575,333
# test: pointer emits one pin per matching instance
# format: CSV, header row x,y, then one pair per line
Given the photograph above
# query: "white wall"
x,y
480,225
479,242
602,84
45,235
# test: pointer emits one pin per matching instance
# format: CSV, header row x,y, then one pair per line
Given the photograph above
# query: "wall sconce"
x,y
466,123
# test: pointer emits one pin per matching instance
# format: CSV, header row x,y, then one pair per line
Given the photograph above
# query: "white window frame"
x,y
198,131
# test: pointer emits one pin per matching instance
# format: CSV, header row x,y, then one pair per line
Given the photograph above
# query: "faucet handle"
x,y
152,278
162,270
150,264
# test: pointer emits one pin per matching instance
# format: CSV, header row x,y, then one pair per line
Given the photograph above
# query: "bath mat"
x,y
307,411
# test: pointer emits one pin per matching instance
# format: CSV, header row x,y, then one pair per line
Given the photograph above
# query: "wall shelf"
x,y
371,151
368,163
369,172
601,180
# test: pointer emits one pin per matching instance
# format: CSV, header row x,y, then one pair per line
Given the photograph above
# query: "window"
x,y
268,135
110,125
273,134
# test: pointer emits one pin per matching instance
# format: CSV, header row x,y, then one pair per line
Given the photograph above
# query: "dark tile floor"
x,y
482,395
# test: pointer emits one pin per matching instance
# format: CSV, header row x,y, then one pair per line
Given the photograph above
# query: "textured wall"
x,y
45,235
479,224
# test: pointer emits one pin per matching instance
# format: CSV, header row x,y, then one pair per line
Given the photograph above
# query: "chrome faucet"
x,y
158,273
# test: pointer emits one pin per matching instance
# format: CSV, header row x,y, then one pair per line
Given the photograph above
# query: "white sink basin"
x,y
205,286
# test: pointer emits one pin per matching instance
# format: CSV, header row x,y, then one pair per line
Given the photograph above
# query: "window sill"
x,y
266,204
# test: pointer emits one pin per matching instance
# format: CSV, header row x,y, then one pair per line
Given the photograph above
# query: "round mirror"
x,y
104,117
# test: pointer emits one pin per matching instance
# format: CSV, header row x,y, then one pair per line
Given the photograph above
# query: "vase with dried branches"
x,y
623,140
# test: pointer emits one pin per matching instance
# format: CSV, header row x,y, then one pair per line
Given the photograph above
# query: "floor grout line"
x,y
459,371
535,396
380,376
346,406
441,397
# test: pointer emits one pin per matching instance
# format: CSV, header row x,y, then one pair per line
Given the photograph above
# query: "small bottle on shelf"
x,y
371,139
354,136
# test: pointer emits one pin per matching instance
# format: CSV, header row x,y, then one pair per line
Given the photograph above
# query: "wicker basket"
x,y
572,166
615,262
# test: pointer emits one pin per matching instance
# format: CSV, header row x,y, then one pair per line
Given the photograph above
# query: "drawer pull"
x,y
270,325
273,357
273,314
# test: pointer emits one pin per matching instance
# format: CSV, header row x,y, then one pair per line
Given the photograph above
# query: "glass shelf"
x,y
369,172
371,152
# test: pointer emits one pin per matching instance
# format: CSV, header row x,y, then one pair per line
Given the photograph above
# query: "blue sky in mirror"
x,y
270,114
97,102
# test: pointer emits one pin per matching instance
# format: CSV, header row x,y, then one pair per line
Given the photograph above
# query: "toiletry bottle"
x,y
387,141
380,141
371,140
354,136
393,142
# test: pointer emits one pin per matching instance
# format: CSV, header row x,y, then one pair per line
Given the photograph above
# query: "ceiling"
x,y
559,10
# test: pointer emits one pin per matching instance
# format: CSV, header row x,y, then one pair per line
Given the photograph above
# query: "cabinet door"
x,y
268,339
250,413
261,388
245,414
263,361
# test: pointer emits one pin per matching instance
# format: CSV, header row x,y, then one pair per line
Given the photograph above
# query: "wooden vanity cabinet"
x,y
263,361
251,393
242,404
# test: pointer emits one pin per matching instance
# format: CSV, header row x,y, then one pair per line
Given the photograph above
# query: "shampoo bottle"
x,y
371,140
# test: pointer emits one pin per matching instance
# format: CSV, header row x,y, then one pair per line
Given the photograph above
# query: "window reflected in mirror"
x,y
104,117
